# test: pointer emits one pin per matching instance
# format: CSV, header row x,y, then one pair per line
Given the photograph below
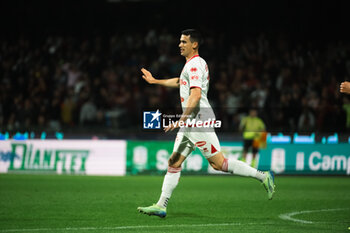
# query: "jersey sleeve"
x,y
243,123
196,76
262,125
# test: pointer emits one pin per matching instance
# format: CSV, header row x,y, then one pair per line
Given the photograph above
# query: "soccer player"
x,y
345,87
252,127
194,85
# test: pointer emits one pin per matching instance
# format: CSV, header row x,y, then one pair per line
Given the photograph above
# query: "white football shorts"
x,y
207,142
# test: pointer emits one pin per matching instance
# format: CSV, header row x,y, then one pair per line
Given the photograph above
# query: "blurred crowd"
x,y
62,82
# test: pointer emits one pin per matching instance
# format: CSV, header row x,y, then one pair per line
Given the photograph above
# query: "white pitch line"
x,y
125,227
289,216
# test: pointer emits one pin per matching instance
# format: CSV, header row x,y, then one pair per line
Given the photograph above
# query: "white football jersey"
x,y
195,74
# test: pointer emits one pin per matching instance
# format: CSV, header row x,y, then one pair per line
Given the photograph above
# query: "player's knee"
x,y
174,164
174,160
217,161
171,162
216,166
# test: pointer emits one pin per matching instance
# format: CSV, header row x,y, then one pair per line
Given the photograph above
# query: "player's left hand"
x,y
171,127
345,87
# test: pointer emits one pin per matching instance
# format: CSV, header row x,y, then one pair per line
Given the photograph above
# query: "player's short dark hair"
x,y
195,36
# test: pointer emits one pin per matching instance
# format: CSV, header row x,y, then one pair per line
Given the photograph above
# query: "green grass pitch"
x,y
50,203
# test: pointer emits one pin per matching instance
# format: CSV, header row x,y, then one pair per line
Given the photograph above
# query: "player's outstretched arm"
x,y
172,82
345,87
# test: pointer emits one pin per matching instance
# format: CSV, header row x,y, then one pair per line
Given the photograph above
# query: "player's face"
x,y
186,46
253,113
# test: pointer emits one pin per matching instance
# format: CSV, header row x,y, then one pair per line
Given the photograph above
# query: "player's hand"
x,y
148,76
345,87
171,127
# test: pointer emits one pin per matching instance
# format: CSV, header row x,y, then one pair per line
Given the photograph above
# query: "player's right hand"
x,y
148,76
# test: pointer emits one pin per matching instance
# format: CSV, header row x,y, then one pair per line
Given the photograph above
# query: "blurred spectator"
x,y
51,82
306,121
88,113
67,109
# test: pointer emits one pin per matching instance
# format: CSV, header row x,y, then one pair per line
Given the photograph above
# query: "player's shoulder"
x,y
196,61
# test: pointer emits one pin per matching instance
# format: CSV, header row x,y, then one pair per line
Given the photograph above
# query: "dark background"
x,y
311,28
316,20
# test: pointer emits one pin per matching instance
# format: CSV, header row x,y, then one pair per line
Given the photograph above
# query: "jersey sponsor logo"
x,y
213,149
200,143
183,82
193,69
182,99
151,119
194,77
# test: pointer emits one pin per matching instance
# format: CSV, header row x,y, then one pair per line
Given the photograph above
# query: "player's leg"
x,y
255,151
171,178
219,162
246,145
209,145
212,152
234,166
182,148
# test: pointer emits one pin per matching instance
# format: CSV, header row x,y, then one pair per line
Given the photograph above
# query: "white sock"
x,y
242,169
171,179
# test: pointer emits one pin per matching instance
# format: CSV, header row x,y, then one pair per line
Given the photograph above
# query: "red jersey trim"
x,y
192,58
195,87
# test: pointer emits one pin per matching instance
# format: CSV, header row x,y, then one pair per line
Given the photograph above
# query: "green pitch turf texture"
x,y
50,203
